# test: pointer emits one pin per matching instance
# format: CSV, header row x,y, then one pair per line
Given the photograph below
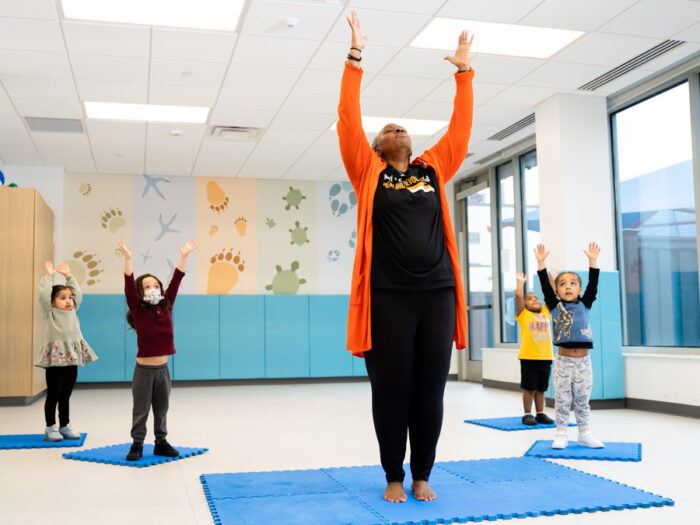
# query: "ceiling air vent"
x,y
650,54
235,133
507,132
54,125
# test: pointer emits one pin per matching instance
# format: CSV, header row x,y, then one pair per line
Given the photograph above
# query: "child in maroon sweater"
x,y
150,314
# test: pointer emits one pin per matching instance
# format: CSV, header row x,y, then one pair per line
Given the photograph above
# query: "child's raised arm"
x,y
185,250
71,283
520,293
592,287
128,270
45,286
550,298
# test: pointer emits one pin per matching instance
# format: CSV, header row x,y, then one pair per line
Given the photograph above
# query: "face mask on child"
x,y
152,296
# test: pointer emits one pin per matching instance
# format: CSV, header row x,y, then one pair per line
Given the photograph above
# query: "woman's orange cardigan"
x,y
363,167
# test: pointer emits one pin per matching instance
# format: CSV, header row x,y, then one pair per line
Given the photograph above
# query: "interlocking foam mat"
x,y
477,490
611,452
509,423
116,455
37,441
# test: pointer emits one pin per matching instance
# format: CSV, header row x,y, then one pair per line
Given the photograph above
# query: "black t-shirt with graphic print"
x,y
408,245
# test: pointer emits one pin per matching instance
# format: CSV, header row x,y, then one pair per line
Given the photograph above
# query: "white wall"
x,y
49,182
501,364
662,377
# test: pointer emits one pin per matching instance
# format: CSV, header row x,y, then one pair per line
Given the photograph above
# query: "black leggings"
x,y
412,335
60,381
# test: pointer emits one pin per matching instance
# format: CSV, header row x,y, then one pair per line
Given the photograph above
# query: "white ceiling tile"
x,y
562,75
114,130
12,130
502,116
655,18
254,50
575,14
254,118
622,82
427,7
303,121
69,150
382,28
331,57
301,137
251,99
318,81
675,55
69,141
257,170
605,49
110,68
690,34
38,9
23,154
507,11
338,174
481,131
104,91
264,78
190,132
311,102
6,107
432,64
276,154
47,108
223,152
165,152
36,87
315,164
207,169
501,69
269,18
404,87
182,44
111,164
168,168
182,95
187,73
385,106
34,64
483,91
32,35
429,109
521,96
106,39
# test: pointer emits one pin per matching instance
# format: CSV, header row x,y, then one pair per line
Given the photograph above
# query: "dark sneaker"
x,y
135,452
163,448
544,419
529,419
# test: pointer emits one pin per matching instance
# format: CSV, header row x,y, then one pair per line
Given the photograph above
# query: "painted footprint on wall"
x,y
286,281
218,200
241,225
342,198
85,267
85,189
353,239
293,198
299,235
213,230
224,271
270,222
112,220
333,255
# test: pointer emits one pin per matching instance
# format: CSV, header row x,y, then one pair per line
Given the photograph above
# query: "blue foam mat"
x,y
613,451
37,441
478,490
116,455
509,423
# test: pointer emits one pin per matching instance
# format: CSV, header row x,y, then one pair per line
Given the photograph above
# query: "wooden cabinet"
x,y
26,242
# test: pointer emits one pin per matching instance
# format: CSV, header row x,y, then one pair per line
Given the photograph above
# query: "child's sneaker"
x,y
68,433
544,419
586,439
135,452
529,419
51,434
163,448
561,440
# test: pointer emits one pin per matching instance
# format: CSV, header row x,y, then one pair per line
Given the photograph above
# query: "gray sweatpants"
x,y
573,381
150,386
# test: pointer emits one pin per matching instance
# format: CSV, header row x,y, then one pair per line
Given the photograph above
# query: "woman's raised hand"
x,y
462,58
358,39
127,251
48,265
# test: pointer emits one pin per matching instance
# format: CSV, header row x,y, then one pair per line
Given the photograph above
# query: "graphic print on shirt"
x,y
412,183
563,323
539,328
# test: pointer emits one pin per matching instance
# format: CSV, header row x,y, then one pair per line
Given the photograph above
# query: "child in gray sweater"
x,y
64,348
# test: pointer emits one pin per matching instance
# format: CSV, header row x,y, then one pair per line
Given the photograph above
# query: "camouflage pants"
x,y
573,381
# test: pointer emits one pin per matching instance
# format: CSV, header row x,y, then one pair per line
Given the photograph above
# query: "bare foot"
x,y
422,491
394,492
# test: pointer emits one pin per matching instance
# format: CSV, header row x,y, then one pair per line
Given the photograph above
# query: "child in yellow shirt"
x,y
535,351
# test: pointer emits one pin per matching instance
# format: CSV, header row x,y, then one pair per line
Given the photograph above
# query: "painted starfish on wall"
x,y
152,182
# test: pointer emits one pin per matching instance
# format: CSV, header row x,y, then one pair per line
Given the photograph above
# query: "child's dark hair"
x,y
556,279
164,303
56,289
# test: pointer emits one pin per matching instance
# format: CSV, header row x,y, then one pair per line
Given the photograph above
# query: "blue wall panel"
x,y
613,372
327,336
103,325
358,367
196,326
286,336
242,336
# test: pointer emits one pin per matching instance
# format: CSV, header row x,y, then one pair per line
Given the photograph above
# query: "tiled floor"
x,y
301,426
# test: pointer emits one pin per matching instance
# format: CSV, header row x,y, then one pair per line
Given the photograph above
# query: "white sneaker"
x,y
68,433
51,434
586,439
561,440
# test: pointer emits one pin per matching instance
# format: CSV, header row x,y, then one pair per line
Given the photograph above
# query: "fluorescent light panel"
x,y
146,112
496,39
413,126
216,15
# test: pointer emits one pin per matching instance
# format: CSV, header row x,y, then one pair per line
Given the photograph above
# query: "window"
x,y
656,217
530,183
507,251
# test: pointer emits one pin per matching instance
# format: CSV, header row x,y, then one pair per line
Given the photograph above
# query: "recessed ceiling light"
x,y
216,15
413,126
146,112
175,133
496,39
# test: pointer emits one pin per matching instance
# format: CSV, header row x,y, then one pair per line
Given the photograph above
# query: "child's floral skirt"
x,y
65,353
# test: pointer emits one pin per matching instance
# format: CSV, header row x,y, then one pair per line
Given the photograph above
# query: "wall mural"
x,y
254,236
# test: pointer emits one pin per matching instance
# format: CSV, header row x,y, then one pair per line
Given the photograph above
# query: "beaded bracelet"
x,y
350,57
